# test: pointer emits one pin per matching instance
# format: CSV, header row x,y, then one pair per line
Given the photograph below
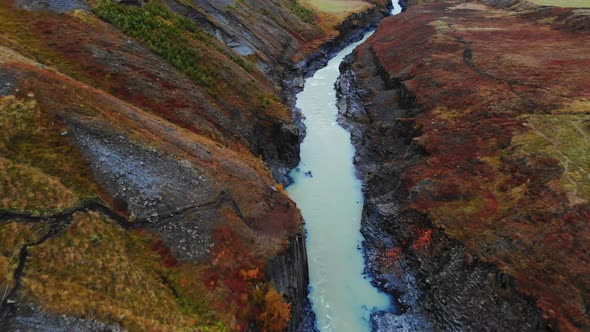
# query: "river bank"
x,y
453,263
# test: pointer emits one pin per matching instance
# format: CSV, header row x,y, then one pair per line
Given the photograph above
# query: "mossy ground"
x,y
339,8
13,236
97,270
564,138
563,3
18,32
40,168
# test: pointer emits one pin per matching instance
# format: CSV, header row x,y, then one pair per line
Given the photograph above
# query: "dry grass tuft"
x,y
12,237
39,167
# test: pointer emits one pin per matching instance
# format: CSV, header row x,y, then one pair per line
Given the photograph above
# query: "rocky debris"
x,y
149,182
154,187
386,321
7,83
29,317
58,6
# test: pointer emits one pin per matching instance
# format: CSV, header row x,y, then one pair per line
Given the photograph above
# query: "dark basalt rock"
x,y
7,83
137,3
290,275
283,154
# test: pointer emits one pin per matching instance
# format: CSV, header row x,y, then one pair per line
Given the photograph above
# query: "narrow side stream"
x,y
329,195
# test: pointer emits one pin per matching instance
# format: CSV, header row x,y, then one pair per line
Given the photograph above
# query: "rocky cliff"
x,y
140,152
471,127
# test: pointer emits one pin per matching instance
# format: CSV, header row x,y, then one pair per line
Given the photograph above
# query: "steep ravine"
x,y
290,271
285,59
442,102
330,201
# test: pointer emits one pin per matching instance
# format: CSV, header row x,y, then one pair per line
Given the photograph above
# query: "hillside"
x,y
471,121
140,152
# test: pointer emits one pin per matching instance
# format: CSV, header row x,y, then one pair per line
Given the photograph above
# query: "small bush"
x,y
276,314
305,14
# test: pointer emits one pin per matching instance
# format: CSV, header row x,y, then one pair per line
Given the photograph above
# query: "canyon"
x,y
145,148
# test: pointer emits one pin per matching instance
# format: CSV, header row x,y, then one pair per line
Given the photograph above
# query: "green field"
x,y
563,3
336,7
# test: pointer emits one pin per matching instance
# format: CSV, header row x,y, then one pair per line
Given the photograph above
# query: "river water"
x,y
329,195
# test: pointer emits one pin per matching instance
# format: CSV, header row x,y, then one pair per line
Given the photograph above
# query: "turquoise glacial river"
x,y
329,195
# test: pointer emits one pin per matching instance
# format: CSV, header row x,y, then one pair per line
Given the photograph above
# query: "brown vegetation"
x,y
505,132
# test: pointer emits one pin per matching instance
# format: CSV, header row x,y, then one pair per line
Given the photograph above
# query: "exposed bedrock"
x,y
350,30
290,274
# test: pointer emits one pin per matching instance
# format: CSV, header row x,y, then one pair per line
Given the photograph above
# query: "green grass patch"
x,y
175,38
18,27
12,238
563,3
565,138
305,14
39,167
